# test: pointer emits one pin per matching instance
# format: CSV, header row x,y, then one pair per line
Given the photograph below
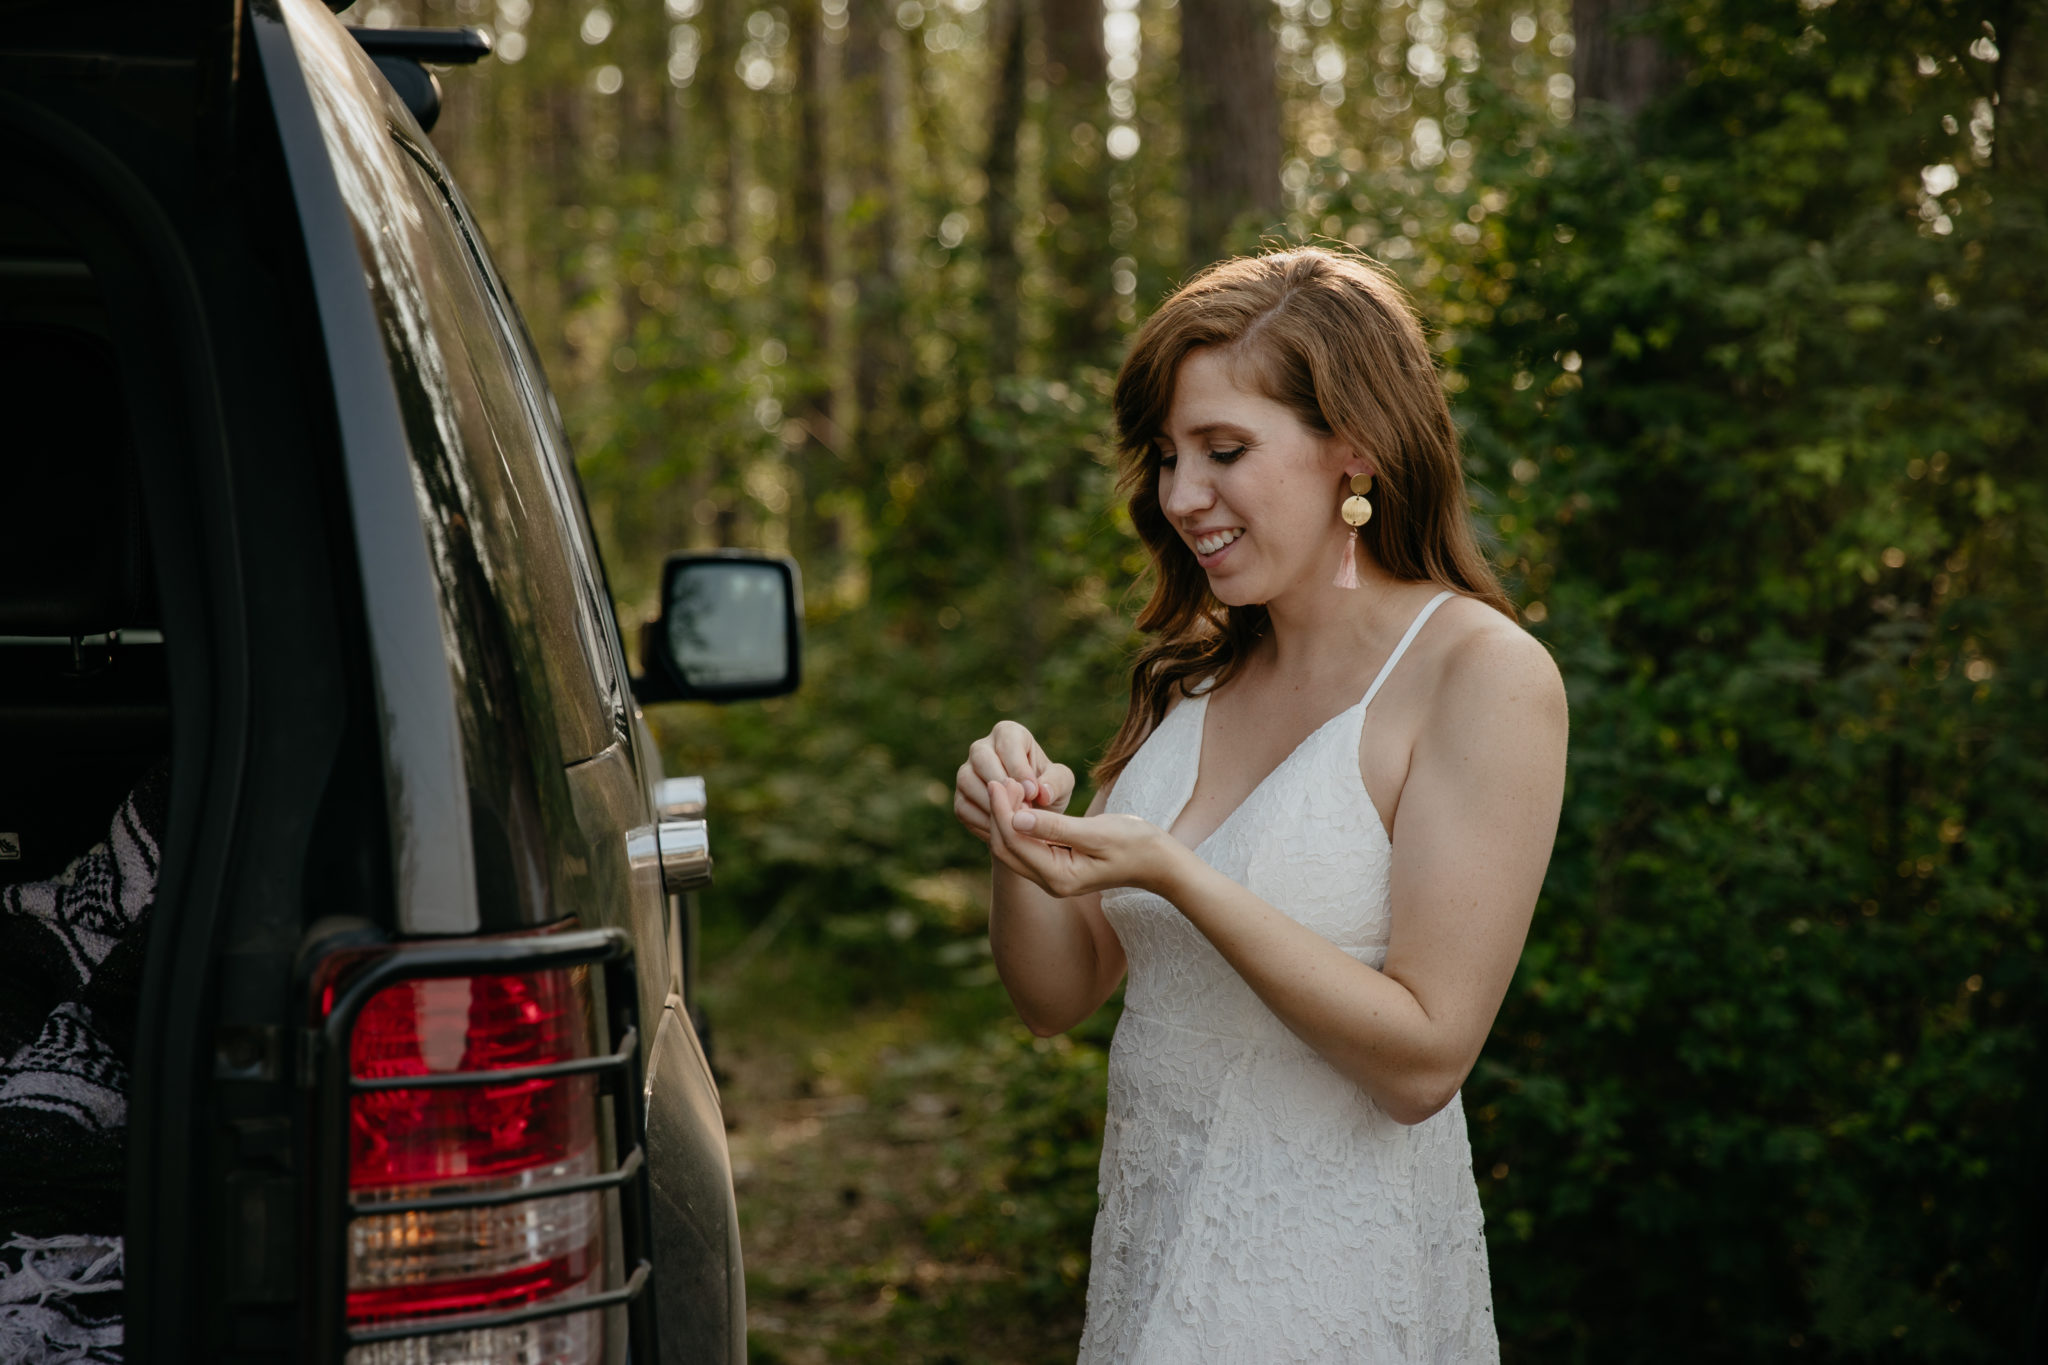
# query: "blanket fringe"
x,y
39,1325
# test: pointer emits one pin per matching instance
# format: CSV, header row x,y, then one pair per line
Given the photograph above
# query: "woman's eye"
x,y
1166,461
1226,456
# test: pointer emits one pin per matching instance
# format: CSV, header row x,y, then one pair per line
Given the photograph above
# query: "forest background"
x,y
1739,304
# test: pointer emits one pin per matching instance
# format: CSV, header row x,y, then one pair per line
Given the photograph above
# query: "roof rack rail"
x,y
440,46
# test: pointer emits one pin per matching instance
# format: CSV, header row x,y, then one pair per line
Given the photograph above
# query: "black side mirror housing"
x,y
730,629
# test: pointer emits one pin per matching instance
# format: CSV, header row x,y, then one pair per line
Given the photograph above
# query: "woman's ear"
x,y
1352,463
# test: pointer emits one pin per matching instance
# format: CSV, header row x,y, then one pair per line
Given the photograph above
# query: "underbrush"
x,y
916,1172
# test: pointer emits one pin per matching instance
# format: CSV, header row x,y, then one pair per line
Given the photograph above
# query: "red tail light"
x,y
414,1143
476,1023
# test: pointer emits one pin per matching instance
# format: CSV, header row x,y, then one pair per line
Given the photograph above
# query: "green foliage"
x,y
1763,435
1034,1205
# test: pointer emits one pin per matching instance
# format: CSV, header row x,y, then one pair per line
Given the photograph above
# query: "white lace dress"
x,y
1256,1205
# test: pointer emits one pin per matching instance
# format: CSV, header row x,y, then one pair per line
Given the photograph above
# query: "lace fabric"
x,y
1257,1206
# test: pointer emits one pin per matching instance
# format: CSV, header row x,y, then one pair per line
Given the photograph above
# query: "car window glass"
x,y
541,513
606,653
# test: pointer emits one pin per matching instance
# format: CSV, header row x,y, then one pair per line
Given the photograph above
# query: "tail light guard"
x,y
342,1326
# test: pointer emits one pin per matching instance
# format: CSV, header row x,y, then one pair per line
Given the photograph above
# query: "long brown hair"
x,y
1333,337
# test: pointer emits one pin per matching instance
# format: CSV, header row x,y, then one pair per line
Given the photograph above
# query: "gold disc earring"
x,y
1357,511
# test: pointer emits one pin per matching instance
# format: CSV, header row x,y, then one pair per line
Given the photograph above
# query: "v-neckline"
x,y
1386,669
1195,777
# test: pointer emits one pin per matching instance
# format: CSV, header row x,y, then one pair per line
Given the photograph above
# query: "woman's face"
x,y
1251,490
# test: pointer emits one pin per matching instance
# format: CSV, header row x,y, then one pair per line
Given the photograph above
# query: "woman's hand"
x,y
1008,753
1070,857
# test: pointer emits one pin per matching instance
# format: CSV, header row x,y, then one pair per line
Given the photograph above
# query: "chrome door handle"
x,y
685,854
679,798
680,848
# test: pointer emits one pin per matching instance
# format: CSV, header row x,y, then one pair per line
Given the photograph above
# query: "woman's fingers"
x,y
1072,854
1007,756
985,762
1051,828
970,801
1029,858
1021,757
996,758
1009,752
1056,787
971,786
1004,801
1007,761
1031,844
1053,868
972,816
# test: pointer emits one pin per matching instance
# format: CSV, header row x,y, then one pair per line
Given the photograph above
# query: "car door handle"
x,y
679,798
685,854
682,848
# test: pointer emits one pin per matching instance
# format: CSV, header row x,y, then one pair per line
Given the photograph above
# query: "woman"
x,y
1316,841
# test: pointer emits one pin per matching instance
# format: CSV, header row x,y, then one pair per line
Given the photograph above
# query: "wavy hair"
x,y
1334,338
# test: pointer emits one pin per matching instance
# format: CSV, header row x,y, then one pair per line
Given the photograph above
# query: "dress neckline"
x,y
1201,718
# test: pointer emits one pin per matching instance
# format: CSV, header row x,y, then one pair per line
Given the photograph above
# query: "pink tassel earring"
x,y
1347,567
1356,511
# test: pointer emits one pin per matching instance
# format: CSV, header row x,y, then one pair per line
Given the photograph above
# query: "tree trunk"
x,y
1000,271
639,46
638,116
2020,96
722,30
1614,60
1230,104
811,349
1083,305
868,152
810,223
567,131
1492,32
1002,275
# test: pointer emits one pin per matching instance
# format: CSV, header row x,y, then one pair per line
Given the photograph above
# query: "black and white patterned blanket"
x,y
70,970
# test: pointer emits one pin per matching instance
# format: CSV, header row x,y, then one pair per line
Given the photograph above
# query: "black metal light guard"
x,y
618,1072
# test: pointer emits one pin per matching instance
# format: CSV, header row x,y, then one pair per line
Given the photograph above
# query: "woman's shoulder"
x,y
1485,661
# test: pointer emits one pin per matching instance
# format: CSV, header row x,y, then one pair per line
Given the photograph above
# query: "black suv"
x,y
286,510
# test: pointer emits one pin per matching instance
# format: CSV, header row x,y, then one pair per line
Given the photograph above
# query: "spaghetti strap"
x,y
1421,617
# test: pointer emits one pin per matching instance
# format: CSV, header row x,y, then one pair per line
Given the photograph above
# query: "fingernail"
x,y
1023,819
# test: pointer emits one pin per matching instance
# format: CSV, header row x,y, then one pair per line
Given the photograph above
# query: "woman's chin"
x,y
1242,589
1234,590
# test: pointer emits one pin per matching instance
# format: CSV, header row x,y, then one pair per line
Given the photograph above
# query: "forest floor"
x,y
859,1135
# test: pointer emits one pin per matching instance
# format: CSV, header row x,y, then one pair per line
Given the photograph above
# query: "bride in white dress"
x,y
1315,845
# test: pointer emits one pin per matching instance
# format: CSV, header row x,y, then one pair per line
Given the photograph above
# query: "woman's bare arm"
x,y
1478,813
1057,956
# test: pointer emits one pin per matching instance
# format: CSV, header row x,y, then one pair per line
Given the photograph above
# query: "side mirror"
x,y
730,629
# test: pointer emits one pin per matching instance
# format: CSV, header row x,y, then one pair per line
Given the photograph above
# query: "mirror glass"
x,y
728,624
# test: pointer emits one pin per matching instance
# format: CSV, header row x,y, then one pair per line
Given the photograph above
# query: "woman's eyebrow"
x,y
1212,428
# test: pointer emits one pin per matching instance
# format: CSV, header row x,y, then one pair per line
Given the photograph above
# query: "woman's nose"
x,y
1182,495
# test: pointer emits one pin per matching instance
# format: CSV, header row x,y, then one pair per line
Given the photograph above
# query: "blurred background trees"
x,y
1740,305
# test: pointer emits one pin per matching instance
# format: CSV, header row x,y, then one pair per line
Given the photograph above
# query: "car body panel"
x,y
621,889
700,1289
427,787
